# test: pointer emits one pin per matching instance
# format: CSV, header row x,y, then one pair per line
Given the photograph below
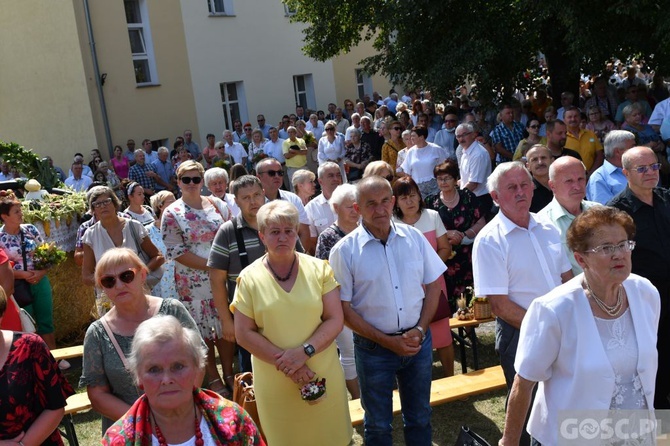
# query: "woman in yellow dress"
x,y
288,313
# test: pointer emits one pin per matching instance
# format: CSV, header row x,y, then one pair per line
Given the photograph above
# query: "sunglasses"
x,y
396,128
125,277
187,180
330,129
274,173
644,169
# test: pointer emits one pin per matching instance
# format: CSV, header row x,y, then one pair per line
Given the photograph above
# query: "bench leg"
x,y
473,342
461,339
70,434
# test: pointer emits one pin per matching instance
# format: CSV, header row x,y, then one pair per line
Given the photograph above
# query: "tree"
x,y
438,44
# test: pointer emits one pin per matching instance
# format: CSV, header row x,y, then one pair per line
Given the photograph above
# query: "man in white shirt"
x,y
234,149
446,138
77,180
342,123
516,258
318,209
355,124
315,126
149,155
475,165
388,286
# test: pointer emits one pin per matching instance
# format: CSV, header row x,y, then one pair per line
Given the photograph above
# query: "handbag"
x,y
467,437
443,310
244,396
28,324
155,276
22,292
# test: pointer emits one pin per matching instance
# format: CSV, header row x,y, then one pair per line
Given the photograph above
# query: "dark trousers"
x,y
662,394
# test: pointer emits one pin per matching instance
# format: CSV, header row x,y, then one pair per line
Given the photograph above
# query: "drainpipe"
x,y
98,81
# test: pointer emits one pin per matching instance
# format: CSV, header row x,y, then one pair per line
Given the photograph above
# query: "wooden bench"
x,y
467,337
68,352
78,402
445,390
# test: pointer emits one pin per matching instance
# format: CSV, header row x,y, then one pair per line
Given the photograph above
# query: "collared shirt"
x,y
79,244
86,172
605,183
130,156
79,185
229,199
266,130
651,257
475,167
295,201
138,174
274,150
342,125
235,151
586,144
518,262
542,196
149,158
164,170
661,111
297,160
320,215
384,281
447,140
562,219
193,148
509,138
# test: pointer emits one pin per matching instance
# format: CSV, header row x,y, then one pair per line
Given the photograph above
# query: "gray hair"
x,y
218,145
616,139
245,181
321,171
215,173
301,176
341,193
277,211
494,179
98,191
630,108
162,329
355,115
226,131
468,127
138,152
365,118
355,131
163,150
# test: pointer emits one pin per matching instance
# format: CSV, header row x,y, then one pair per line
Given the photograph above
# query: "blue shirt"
x,y
164,169
605,183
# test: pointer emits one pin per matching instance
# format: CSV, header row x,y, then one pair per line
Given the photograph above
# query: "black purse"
x,y
22,293
466,437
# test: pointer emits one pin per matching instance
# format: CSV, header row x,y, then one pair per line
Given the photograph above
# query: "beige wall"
x,y
43,96
345,66
154,112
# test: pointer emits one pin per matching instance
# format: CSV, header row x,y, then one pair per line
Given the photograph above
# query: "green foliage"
x,y
30,164
438,44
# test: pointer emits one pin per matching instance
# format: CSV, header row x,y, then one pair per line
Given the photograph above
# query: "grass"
x,y
484,413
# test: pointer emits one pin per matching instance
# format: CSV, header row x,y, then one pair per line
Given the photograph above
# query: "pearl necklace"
x,y
290,271
451,202
198,434
613,310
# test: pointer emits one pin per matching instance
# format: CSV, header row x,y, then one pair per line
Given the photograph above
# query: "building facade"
x,y
94,73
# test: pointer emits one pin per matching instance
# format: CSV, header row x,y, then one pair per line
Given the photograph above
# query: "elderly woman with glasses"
x,y
189,226
602,323
167,362
122,275
112,231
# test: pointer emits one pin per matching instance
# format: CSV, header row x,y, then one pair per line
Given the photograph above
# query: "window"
x,y
363,83
141,45
234,103
289,11
220,7
303,87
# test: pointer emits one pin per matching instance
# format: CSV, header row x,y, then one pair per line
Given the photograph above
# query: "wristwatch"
x,y
309,349
423,333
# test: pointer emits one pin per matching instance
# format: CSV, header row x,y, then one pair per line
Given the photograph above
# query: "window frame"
x,y
226,103
143,29
228,8
365,83
308,92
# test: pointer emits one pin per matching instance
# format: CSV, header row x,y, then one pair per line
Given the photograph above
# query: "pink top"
x,y
121,167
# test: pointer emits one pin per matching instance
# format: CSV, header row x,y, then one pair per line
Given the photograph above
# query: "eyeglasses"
x,y
396,128
101,203
444,179
644,169
260,120
533,126
274,173
247,129
462,135
125,277
187,180
330,129
609,250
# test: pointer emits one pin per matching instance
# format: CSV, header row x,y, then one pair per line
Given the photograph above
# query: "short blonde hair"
x,y
157,201
277,211
190,165
301,176
116,257
375,167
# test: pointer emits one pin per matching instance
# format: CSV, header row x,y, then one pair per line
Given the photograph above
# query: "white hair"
x,y
215,173
341,193
494,179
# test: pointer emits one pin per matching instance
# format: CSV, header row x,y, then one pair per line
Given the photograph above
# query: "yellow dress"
x,y
287,320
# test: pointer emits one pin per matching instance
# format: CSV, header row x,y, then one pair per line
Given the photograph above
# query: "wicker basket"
x,y
481,309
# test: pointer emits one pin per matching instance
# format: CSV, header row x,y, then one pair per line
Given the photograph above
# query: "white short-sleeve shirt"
x,y
420,162
475,166
320,215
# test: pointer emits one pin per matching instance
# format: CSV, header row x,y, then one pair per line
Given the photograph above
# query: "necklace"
x,y
198,434
610,310
451,202
290,271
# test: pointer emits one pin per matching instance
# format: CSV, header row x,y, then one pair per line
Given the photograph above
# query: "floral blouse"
x,y
12,245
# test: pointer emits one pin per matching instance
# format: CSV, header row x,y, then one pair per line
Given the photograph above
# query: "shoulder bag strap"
x,y
134,235
23,249
112,338
244,257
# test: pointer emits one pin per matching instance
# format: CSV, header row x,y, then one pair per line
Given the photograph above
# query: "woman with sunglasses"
x,y
188,226
136,207
591,341
112,231
331,147
394,144
533,129
107,344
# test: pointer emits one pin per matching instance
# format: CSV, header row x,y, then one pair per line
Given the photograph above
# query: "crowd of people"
x,y
558,217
